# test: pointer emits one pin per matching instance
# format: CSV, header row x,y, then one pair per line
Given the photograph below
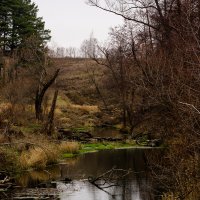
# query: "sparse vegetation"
x,y
144,81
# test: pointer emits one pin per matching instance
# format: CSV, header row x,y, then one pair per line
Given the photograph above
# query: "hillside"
x,y
80,103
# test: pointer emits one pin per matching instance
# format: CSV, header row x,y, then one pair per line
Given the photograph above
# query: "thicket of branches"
x,y
154,70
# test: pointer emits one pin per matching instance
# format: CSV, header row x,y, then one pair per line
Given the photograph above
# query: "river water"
x,y
121,174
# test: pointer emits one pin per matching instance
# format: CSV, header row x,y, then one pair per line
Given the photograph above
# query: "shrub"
x,y
69,147
40,156
35,157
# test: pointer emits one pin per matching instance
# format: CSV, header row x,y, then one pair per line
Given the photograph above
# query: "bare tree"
x,y
42,88
154,64
38,63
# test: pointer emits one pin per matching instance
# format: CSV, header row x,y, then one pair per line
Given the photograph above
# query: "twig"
x,y
106,178
6,179
190,105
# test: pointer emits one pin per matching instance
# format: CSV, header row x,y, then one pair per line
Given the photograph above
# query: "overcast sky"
x,y
72,21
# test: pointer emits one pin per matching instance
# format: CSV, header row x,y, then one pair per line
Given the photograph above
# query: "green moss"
x,y
82,151
82,129
30,128
106,145
97,146
69,155
94,147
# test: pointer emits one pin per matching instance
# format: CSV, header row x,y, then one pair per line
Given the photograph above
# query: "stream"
x,y
124,177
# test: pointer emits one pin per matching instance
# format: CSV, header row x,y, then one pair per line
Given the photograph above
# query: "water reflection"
x,y
33,179
134,186
94,164
86,191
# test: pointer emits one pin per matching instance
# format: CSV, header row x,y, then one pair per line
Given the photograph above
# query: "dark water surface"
x,y
128,180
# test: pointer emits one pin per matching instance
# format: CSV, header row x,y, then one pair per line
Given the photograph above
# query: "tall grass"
x,y
39,154
69,147
35,157
45,152
38,157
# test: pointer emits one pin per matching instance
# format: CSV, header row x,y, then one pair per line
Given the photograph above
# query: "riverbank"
x,y
72,177
96,146
20,155
36,150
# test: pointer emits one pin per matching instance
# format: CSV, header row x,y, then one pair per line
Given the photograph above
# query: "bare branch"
x,y
191,106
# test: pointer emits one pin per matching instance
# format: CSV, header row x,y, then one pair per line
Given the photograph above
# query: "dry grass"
x,y
86,108
77,102
69,114
35,157
38,157
34,151
52,152
169,196
5,107
69,147
41,153
58,111
3,138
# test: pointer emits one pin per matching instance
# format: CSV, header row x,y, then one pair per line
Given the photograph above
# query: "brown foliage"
x,y
154,70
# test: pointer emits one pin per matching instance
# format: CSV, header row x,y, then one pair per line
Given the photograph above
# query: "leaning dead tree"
x,y
41,90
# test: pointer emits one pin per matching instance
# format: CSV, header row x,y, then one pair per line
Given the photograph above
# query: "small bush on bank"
x,y
34,157
39,156
69,147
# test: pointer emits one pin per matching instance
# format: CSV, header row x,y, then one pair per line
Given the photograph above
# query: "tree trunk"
x,y
38,105
42,88
48,128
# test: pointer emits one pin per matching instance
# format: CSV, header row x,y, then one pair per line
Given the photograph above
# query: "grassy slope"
x,y
78,102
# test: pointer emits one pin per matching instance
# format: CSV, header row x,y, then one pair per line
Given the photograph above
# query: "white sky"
x,y
72,21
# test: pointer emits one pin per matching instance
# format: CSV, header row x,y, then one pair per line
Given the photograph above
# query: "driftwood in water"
x,y
85,136
5,182
110,175
149,143
79,136
109,179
